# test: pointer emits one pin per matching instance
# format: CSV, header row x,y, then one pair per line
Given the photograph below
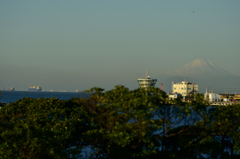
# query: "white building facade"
x,y
146,83
174,96
212,97
184,88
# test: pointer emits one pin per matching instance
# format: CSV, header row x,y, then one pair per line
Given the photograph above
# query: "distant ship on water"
x,y
35,89
11,89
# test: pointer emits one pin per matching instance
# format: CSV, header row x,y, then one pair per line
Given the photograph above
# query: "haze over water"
x,y
69,45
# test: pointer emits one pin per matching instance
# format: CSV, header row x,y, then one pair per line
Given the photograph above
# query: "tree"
x,y
41,128
119,123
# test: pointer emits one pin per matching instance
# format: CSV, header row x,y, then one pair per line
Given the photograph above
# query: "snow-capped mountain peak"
x,y
199,69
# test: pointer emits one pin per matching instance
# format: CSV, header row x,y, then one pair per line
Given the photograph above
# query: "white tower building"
x,y
146,83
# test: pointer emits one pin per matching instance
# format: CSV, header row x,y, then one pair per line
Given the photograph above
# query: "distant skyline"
x,y
205,74
69,45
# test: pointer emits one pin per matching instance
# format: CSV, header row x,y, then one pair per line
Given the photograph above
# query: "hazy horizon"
x,y
69,45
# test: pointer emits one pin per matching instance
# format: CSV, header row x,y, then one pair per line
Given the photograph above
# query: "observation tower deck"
x,y
147,82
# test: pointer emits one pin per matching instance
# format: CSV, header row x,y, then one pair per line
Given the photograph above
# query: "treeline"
x,y
119,123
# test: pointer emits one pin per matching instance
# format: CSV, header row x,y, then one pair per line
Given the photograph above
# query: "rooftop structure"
x,y
147,82
184,88
173,96
212,97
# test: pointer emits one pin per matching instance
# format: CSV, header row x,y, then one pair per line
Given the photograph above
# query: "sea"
x,y
12,96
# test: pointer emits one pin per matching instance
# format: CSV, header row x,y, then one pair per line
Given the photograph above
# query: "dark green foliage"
x,y
119,123
38,128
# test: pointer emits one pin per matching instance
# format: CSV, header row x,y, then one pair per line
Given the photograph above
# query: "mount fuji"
x,y
203,69
204,73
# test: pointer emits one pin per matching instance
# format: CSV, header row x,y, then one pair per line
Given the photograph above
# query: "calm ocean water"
x,y
8,96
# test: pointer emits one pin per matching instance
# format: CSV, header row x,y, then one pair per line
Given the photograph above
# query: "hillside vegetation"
x,y
119,123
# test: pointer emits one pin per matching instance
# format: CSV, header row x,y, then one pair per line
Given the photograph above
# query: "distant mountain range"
x,y
204,73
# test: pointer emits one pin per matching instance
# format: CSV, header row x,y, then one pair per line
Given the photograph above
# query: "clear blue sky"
x,y
77,44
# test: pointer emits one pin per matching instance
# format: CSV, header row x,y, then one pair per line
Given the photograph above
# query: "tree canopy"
x,y
119,123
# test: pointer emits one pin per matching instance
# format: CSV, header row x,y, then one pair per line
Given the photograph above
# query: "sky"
x,y
80,44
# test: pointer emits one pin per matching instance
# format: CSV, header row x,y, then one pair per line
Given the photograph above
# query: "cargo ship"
x,y
35,89
11,89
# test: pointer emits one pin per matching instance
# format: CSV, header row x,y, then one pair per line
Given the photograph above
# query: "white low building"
x,y
184,88
212,97
174,96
